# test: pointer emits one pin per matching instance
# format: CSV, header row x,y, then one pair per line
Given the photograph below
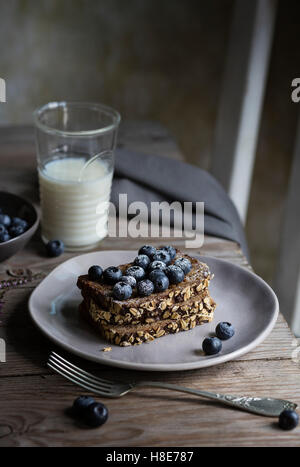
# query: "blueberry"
x,y
55,248
145,288
157,265
142,260
81,403
112,275
184,264
95,414
95,273
162,255
15,230
19,221
161,282
122,291
171,250
147,250
288,420
2,229
4,237
136,271
129,280
5,220
225,331
211,345
175,274
156,273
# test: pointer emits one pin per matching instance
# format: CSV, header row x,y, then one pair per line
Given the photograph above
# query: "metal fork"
x,y
266,406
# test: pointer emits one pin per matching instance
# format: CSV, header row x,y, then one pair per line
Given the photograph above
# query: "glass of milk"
x,y
75,152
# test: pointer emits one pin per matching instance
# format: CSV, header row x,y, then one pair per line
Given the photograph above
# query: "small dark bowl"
x,y
15,206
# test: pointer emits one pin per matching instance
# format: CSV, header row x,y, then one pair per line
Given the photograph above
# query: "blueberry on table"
x,y
157,265
184,264
288,420
112,274
175,274
171,250
55,248
81,403
211,346
145,288
4,237
147,250
122,291
5,220
16,230
129,280
162,255
142,260
95,273
95,414
135,271
225,331
161,282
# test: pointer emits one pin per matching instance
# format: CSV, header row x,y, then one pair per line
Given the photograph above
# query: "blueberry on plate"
x,y
145,288
55,248
81,403
175,274
157,265
225,331
171,250
112,274
161,282
211,346
95,273
136,271
142,260
184,264
129,280
95,414
15,230
5,220
4,237
19,221
147,250
2,229
162,255
122,291
288,420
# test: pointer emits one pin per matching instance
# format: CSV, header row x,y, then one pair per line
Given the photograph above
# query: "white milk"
x,y
74,211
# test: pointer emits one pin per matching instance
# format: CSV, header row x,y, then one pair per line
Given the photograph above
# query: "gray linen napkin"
x,y
149,178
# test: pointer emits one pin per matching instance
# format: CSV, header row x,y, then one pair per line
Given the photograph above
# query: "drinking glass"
x,y
75,155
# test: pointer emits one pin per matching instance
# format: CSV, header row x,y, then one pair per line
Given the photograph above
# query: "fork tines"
x,y
80,377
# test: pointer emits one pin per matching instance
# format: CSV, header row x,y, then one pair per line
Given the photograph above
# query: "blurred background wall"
x,y
157,60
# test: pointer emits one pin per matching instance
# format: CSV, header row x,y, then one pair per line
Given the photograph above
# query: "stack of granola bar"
x,y
138,319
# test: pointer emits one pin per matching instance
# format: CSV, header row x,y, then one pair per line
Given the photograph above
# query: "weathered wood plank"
x,y
33,413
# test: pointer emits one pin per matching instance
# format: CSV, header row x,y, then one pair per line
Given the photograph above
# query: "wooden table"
x,y
33,399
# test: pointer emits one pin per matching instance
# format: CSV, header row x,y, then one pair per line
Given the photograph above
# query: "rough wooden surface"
x,y
33,399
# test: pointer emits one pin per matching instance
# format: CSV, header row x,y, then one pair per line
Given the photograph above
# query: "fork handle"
x,y
266,406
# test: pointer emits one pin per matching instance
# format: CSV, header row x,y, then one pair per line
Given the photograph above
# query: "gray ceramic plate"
x,y
242,299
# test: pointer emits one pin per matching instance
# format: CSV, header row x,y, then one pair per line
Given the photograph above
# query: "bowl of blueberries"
x,y
18,222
